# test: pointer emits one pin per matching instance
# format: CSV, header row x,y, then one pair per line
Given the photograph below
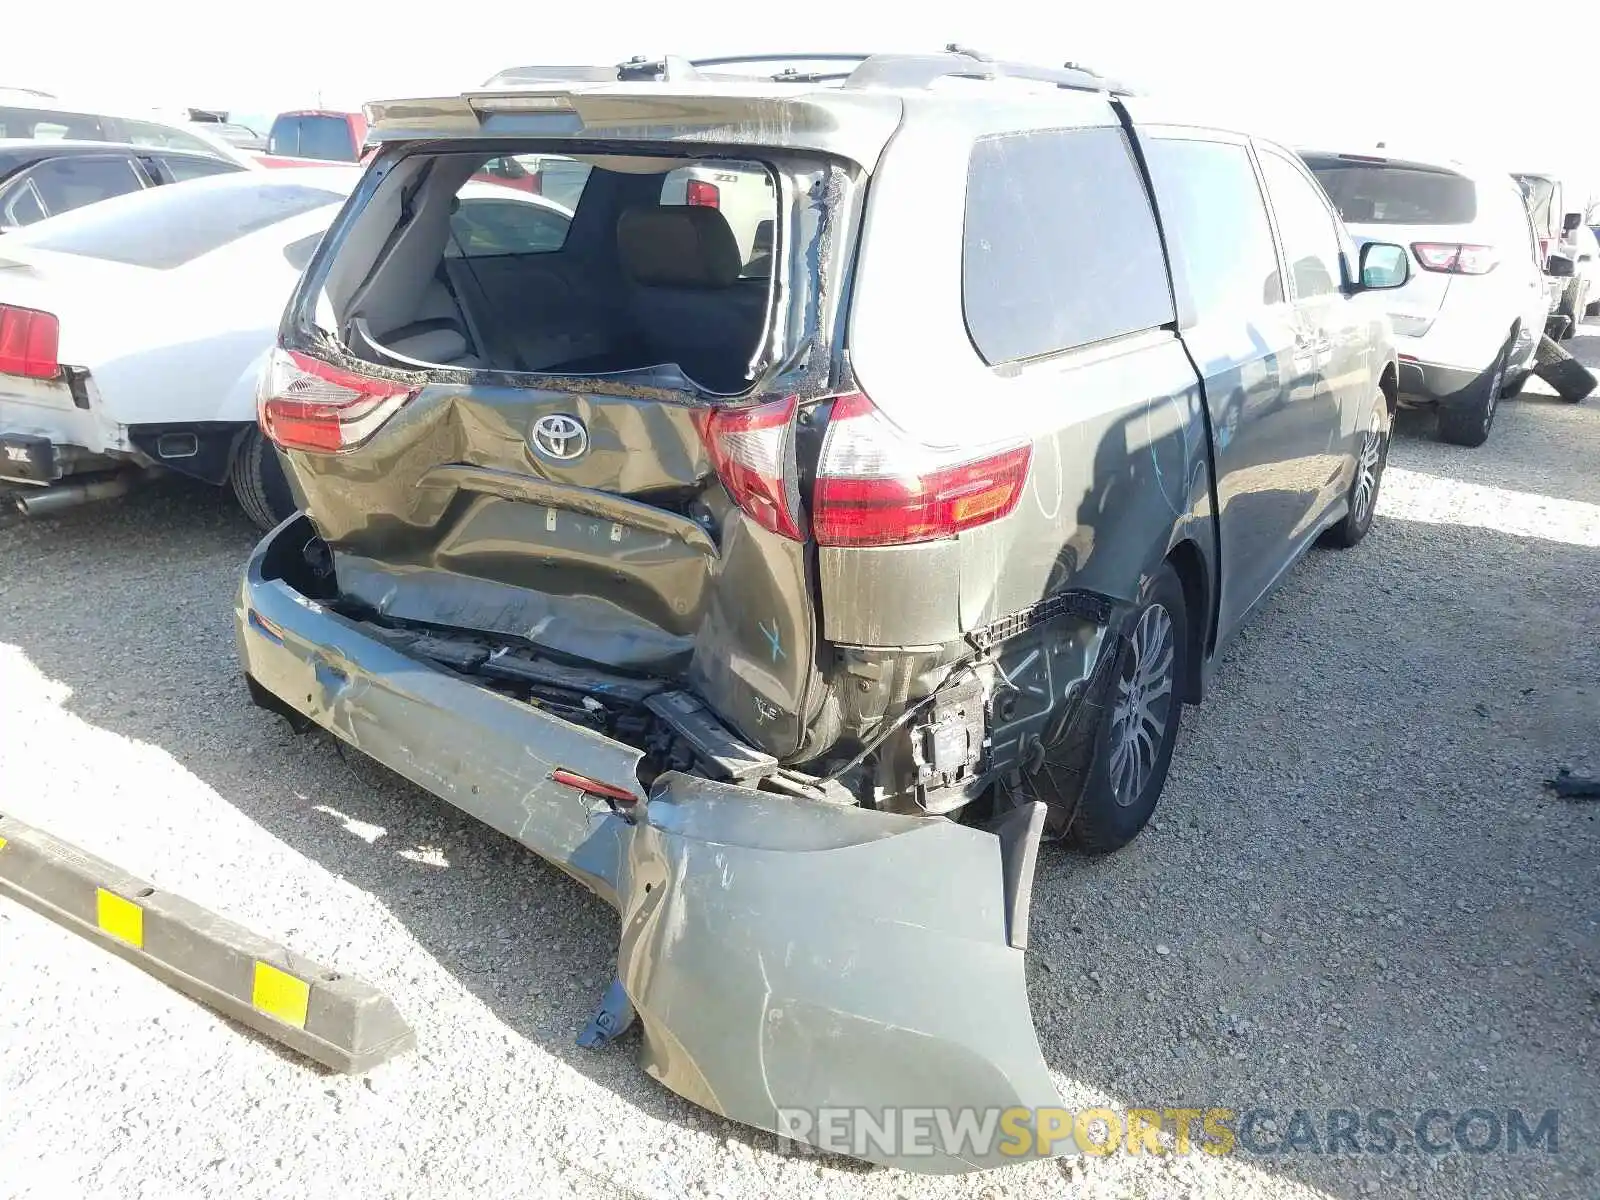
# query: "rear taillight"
x,y
28,342
1452,258
752,450
305,404
706,195
536,183
1544,249
876,487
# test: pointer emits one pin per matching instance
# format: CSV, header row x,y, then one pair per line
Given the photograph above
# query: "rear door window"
x,y
64,184
1060,247
1374,194
181,167
1217,228
1311,242
485,226
22,206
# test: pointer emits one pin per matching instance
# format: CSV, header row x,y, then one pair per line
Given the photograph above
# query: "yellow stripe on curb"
x,y
122,919
335,1019
281,995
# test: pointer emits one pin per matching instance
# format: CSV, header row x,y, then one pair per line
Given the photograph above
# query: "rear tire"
x,y
259,481
1574,305
1363,499
1133,747
1468,424
1571,379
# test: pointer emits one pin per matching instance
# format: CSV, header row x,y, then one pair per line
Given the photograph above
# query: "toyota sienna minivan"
x,y
790,608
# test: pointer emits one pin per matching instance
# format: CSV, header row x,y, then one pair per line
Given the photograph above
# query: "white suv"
x,y
1469,319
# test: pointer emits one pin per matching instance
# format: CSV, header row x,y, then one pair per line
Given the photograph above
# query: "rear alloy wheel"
x,y
1468,423
259,481
1140,726
1363,500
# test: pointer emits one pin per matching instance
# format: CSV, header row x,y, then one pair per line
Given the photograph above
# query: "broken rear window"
x,y
656,262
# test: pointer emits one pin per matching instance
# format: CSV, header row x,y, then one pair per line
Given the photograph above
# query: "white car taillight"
x,y
1453,258
307,404
700,192
28,342
876,487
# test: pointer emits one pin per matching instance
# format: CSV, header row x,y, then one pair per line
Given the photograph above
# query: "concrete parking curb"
x,y
341,1022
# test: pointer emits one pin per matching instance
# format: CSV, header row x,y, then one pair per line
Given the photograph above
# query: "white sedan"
x,y
133,331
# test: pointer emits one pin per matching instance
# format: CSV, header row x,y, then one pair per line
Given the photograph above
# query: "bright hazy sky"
x,y
1355,71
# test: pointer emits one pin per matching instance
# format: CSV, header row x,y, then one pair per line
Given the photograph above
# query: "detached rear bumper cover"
x,y
781,954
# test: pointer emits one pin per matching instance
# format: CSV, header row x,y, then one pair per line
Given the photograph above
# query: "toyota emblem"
x,y
560,437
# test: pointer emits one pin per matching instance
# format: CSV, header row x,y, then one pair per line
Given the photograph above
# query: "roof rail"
x,y
959,62
866,71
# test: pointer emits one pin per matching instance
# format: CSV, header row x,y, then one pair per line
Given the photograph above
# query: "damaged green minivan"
x,y
847,495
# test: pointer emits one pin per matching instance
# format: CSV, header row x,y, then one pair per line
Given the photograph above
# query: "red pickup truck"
x,y
314,136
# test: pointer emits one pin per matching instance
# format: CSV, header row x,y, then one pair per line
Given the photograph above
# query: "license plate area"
x,y
28,459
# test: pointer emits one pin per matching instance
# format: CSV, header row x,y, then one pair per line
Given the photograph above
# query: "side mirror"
x,y
1384,266
1570,222
1558,267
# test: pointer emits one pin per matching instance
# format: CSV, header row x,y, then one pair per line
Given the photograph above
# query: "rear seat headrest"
x,y
678,246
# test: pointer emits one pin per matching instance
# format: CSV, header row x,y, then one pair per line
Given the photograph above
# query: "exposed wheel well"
x,y
1389,385
1187,561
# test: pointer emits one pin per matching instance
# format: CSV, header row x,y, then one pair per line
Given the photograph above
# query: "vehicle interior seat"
x,y
760,264
437,334
682,264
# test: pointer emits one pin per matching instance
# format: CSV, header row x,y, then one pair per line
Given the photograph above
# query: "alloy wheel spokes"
x,y
1143,705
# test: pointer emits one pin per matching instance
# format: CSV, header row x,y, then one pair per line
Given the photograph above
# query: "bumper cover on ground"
x,y
783,956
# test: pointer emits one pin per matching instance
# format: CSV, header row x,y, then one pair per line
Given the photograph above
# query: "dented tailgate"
x,y
451,517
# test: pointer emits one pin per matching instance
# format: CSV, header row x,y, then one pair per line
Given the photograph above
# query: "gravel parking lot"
x,y
1356,894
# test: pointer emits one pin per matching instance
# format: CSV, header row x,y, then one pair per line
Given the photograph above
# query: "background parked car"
x,y
1580,247
26,114
1572,269
45,179
234,134
320,134
1469,319
218,123
314,137
147,318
